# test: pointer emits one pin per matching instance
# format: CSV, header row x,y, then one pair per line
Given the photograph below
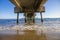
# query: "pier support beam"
x,y
33,18
41,17
17,18
25,17
29,17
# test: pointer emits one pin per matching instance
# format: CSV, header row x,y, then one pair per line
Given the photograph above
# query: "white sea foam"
x,y
47,26
32,27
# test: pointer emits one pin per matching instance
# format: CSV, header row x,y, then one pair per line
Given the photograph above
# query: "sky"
x,y
52,10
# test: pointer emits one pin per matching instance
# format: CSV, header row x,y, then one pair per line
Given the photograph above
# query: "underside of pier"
x,y
29,7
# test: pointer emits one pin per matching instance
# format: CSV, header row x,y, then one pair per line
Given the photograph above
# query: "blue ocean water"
x,y
12,22
50,27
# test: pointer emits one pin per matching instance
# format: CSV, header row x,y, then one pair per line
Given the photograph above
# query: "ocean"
x,y
50,27
47,22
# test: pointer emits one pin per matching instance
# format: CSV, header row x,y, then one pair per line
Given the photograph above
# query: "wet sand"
x,y
40,32
28,35
31,35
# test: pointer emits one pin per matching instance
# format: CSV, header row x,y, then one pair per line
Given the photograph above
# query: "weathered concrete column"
x,y
17,18
41,17
34,18
29,17
25,17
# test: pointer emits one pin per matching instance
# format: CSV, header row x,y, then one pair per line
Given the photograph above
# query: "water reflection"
x,y
38,34
32,32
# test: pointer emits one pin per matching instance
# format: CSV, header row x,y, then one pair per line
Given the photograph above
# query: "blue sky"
x,y
52,10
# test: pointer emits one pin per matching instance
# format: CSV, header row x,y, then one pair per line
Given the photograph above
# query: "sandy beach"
x,y
28,35
39,32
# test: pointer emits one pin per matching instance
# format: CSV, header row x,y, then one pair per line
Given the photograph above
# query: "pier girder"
x,y
29,7
29,17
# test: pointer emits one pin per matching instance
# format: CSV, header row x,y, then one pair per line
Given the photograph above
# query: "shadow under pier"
x,y
31,35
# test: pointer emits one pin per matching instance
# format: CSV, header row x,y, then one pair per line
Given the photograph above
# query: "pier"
x,y
29,8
